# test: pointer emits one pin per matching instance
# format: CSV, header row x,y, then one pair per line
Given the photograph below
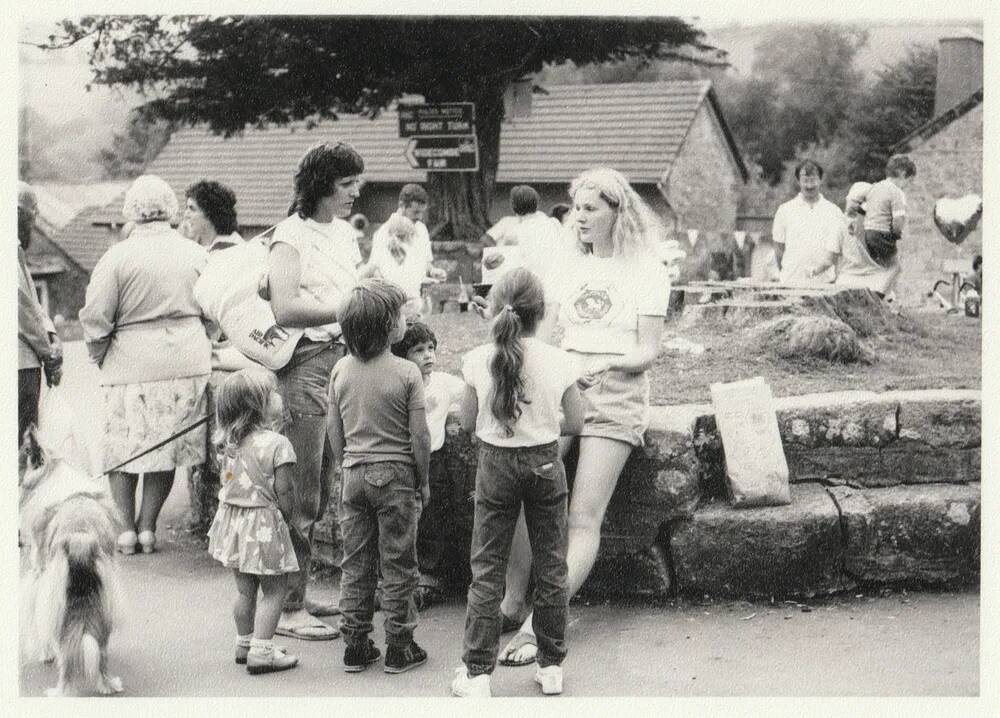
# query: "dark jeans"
x,y
444,531
507,478
881,246
378,526
29,390
303,389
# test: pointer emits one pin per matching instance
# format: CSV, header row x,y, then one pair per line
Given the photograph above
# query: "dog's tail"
x,y
75,606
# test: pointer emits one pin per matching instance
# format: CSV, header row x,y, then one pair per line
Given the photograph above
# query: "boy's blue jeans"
x,y
303,390
378,526
506,478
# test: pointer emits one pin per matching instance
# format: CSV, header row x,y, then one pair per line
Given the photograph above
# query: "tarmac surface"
x,y
175,636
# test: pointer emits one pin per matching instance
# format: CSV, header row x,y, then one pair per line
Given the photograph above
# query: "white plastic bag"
x,y
58,432
756,469
227,294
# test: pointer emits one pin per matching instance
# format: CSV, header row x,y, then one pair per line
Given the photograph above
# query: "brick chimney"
x,y
959,70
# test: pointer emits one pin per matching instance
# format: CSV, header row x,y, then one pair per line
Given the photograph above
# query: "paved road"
x,y
175,637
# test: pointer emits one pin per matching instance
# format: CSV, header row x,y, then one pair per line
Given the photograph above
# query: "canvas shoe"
x,y
402,658
270,662
357,657
476,687
550,679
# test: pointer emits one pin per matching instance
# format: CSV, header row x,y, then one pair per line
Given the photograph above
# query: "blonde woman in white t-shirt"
x,y
610,300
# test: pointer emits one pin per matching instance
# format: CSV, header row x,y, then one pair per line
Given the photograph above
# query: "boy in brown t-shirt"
x,y
886,209
378,433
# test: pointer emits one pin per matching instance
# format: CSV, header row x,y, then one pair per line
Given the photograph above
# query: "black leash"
x,y
304,357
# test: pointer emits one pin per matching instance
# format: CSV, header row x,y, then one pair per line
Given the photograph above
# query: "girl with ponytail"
x,y
520,397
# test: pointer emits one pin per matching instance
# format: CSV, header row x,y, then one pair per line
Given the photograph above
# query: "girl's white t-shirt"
x,y
441,392
601,298
548,372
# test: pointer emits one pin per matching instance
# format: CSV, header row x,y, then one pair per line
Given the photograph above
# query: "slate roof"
x,y
84,241
638,128
936,124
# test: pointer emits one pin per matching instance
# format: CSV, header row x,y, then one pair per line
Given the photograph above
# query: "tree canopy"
x,y
231,72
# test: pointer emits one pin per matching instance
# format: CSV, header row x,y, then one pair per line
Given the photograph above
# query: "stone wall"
x,y
949,164
885,488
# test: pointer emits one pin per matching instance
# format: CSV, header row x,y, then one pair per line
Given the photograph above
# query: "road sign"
x,y
445,118
443,154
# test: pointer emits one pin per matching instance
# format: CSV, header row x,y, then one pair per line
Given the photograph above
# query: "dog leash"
x,y
204,420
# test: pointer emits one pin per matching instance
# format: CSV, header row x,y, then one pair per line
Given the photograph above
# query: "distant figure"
x,y
559,212
38,345
401,247
886,214
532,232
806,228
854,265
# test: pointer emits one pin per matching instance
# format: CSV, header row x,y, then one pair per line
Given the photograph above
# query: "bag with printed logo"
x,y
228,292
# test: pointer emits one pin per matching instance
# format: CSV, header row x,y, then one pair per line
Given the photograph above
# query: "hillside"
x,y
887,43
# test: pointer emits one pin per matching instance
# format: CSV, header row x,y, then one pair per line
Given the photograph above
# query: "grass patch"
x,y
939,351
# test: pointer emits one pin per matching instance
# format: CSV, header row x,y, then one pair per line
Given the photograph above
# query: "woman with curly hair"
x,y
210,216
313,263
610,300
143,328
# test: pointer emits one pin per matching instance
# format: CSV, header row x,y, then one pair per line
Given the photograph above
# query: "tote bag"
x,y
227,291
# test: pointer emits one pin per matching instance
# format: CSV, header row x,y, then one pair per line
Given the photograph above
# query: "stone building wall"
x,y
704,183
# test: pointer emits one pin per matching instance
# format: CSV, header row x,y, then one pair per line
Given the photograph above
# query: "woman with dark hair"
x,y
210,216
313,262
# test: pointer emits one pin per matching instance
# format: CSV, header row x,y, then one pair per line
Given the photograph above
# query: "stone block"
x,y
663,474
793,550
954,423
926,533
646,573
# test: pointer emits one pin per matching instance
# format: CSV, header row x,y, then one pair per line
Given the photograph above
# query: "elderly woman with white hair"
x,y
143,329
610,298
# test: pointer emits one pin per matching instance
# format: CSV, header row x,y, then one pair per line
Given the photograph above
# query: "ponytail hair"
x,y
518,303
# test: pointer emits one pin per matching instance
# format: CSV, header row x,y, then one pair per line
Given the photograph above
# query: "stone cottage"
x,y
948,153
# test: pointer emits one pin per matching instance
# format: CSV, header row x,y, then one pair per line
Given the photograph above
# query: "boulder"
x,y
793,550
927,534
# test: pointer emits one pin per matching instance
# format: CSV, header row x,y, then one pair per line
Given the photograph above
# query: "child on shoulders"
x,y
378,432
440,549
515,389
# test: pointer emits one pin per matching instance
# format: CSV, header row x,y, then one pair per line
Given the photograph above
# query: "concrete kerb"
x,y
885,489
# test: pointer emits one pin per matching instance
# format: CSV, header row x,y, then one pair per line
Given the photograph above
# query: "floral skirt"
x,y
252,540
138,416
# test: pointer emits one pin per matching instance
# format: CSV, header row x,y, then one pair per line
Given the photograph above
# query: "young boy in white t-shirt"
x,y
885,214
442,544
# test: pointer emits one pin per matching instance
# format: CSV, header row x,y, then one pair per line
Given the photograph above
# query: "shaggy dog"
x,y
68,591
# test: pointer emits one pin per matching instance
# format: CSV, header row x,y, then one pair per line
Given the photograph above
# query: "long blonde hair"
x,y
637,229
241,406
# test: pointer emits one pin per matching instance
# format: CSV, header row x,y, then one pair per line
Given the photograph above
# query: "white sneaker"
x,y
465,687
550,679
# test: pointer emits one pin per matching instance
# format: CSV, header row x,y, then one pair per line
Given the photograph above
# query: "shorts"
x,y
617,406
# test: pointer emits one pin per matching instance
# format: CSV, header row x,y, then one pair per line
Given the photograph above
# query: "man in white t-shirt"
x,y
413,201
806,228
524,239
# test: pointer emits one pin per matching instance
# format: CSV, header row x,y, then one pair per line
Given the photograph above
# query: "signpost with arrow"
x,y
442,136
